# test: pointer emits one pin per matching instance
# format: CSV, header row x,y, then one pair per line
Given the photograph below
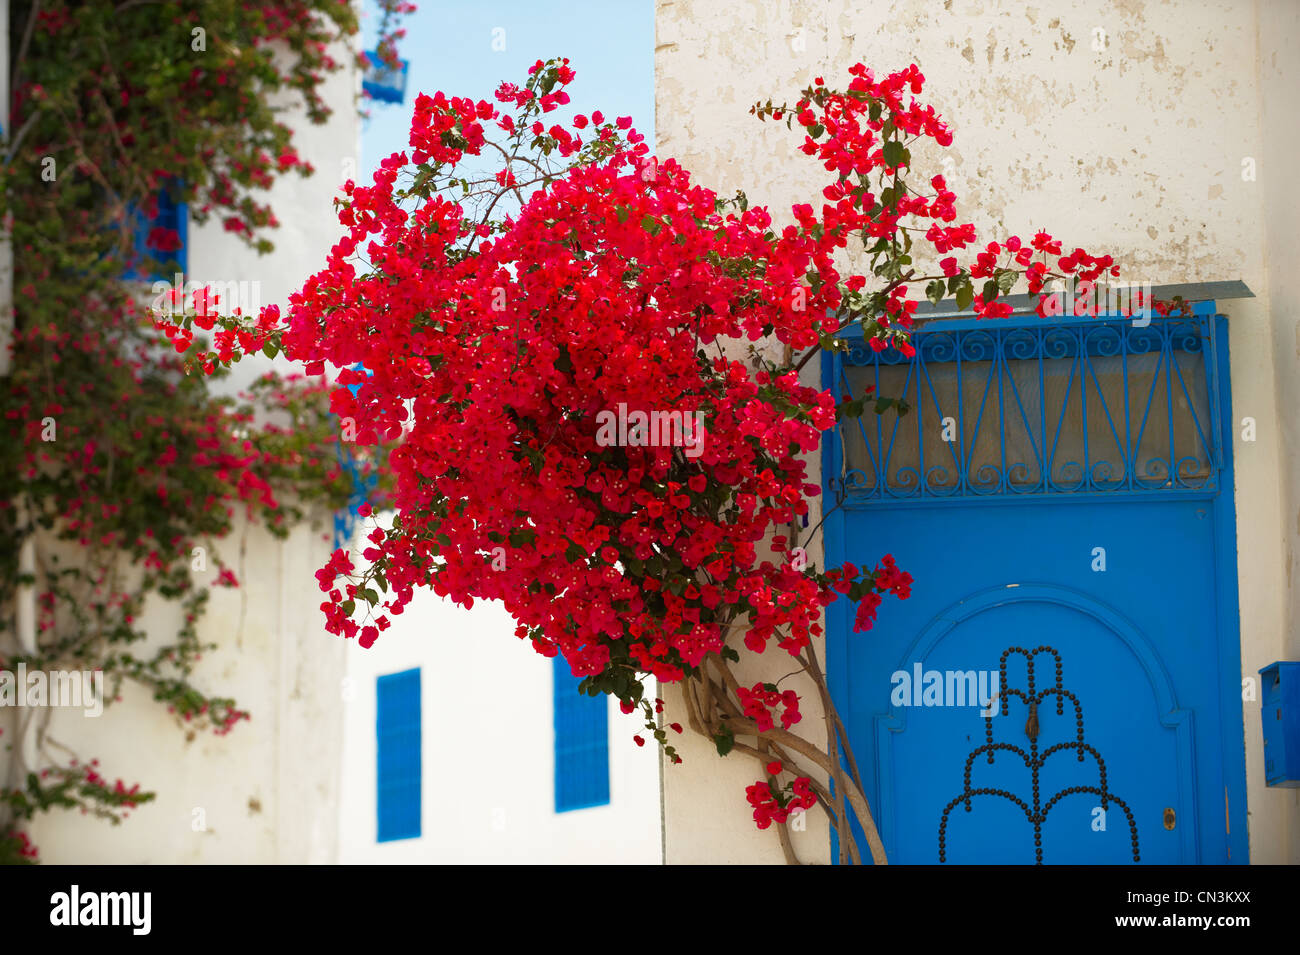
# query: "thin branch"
x,y
20,135
764,751
828,703
745,726
22,51
824,799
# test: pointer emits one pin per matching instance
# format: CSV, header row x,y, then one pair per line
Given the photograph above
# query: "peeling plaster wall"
x,y
269,791
1278,68
1123,126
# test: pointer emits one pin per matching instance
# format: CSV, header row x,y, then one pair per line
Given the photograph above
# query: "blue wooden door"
x,y
1063,685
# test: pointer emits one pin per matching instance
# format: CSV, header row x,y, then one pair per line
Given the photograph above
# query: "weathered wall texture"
x,y
1123,126
269,790
1277,65
265,793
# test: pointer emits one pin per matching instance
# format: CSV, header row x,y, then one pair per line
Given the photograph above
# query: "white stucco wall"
x,y
487,750
264,793
1276,812
268,790
1136,149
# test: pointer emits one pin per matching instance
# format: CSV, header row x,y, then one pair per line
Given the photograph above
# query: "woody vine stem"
x,y
485,322
711,697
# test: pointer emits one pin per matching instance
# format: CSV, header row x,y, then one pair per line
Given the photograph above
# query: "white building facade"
x,y
474,721
1162,133
268,791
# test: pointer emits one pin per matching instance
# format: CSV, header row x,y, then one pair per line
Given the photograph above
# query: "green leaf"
x,y
724,739
522,536
621,213
965,296
895,154
934,291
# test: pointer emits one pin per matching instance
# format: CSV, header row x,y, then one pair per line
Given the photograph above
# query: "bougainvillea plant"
x,y
122,471
559,347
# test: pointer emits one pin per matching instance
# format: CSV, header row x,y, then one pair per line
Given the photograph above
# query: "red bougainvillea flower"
x,y
163,240
572,438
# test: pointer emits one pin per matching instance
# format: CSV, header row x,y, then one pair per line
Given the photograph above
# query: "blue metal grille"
x,y
581,743
397,737
1084,408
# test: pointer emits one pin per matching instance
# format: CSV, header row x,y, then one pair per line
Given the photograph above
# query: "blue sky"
x,y
450,46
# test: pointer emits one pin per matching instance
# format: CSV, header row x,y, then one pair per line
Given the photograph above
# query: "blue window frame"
x,y
581,744
397,738
164,263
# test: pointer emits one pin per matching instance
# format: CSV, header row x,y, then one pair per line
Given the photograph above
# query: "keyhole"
x,y
1169,818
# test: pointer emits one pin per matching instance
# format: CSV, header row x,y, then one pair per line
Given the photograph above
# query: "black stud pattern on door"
x,y
1035,813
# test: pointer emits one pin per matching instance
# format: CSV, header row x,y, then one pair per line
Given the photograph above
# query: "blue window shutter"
x,y
581,743
397,737
173,215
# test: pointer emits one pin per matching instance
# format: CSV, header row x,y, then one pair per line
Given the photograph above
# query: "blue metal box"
x,y
1280,711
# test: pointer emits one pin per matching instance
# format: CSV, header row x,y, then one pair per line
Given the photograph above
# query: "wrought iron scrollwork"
x,y
1093,408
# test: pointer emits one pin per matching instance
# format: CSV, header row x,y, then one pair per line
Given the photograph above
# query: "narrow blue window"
x,y
581,744
397,737
161,240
